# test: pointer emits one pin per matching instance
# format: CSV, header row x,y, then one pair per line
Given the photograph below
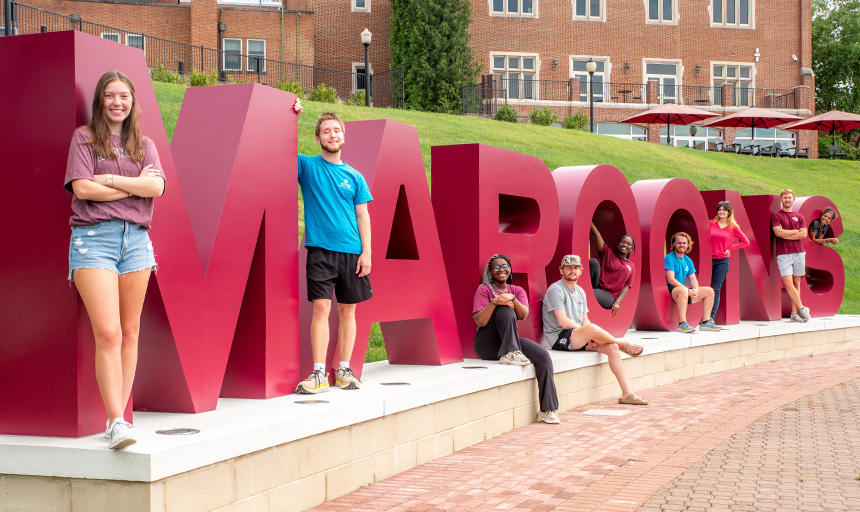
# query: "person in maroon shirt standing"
x,y
611,275
114,173
790,230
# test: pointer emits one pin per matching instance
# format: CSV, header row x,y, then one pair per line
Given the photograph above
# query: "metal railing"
x,y
386,87
484,98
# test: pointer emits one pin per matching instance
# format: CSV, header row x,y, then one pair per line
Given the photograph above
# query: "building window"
x,y
577,65
135,40
518,74
681,136
661,11
14,31
360,5
513,7
257,50
733,12
764,137
232,55
666,76
622,131
358,76
110,37
741,79
591,10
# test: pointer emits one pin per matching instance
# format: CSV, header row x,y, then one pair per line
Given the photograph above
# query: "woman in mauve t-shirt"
x,y
113,173
724,231
497,306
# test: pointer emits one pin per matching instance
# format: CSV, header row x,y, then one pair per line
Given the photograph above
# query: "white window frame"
x,y
224,55
629,136
604,75
142,41
660,8
737,23
355,67
3,31
679,73
103,34
587,16
356,8
737,79
248,65
702,135
517,14
746,140
534,73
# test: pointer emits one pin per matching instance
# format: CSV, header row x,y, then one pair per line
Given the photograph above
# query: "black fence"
x,y
386,87
486,97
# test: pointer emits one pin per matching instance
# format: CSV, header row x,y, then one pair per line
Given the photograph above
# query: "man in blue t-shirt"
x,y
337,237
679,267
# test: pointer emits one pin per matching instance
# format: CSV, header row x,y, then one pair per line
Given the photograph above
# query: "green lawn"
x,y
837,180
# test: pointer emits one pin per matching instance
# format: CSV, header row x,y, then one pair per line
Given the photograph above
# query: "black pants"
x,y
603,298
499,337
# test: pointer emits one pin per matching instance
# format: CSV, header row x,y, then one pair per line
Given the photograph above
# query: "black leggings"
x,y
499,337
603,298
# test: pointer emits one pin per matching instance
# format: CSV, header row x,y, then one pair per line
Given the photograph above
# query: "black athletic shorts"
x,y
330,271
563,342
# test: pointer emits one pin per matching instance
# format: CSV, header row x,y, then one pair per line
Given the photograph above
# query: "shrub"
x,y
291,85
578,121
506,114
543,116
825,142
357,98
323,93
161,74
201,78
238,80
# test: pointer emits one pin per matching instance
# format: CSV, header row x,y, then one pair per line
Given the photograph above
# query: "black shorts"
x,y
331,271
563,342
689,299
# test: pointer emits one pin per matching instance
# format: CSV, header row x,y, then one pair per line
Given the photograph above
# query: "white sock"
x,y
319,366
344,364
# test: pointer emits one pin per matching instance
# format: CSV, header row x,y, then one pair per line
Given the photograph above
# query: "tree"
x,y
836,54
430,39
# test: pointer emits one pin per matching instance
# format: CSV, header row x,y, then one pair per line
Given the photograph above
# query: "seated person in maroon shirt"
x,y
611,285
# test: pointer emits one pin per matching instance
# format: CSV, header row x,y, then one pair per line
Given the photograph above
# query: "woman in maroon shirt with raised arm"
x,y
611,275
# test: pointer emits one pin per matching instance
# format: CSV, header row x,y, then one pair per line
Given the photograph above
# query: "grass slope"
x,y
837,180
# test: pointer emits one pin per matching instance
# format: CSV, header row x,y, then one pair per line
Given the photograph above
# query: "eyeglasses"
x,y
500,267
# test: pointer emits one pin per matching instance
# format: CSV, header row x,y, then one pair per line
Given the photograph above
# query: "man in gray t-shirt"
x,y
567,327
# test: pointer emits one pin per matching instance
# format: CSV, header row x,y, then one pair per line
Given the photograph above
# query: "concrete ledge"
x,y
280,454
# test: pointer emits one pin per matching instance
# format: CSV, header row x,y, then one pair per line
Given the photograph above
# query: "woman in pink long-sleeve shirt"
x,y
724,231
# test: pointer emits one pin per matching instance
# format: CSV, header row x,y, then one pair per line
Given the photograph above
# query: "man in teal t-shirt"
x,y
679,267
337,237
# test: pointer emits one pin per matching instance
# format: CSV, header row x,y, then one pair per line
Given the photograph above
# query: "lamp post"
x,y
591,67
365,40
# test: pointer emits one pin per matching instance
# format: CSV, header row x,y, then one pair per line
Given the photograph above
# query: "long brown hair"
x,y
99,127
730,218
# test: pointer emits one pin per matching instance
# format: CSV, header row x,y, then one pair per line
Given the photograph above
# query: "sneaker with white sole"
x,y
795,318
345,379
317,382
121,435
548,417
516,358
803,313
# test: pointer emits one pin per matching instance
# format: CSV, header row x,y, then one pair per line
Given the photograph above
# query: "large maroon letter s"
x,y
489,200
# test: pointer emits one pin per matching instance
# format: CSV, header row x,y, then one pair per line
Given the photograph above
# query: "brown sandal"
x,y
632,399
631,349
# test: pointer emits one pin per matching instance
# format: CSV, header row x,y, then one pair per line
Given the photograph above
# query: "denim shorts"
x,y
113,245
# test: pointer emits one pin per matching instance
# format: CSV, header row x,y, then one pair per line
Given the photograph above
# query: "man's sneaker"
x,y
515,358
803,313
120,435
548,417
346,380
795,318
316,383
709,326
685,327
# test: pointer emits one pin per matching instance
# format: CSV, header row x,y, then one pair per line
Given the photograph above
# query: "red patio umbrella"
x,y
755,118
833,120
670,113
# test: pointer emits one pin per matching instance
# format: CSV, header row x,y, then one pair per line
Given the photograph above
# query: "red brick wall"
x,y
338,40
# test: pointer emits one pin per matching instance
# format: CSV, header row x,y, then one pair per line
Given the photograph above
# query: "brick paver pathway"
x,y
773,436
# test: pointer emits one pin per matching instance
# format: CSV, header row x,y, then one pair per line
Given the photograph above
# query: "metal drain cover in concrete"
x,y
605,412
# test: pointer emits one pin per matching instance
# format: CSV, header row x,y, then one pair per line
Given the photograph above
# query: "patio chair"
x,y
725,148
773,151
836,151
752,149
792,151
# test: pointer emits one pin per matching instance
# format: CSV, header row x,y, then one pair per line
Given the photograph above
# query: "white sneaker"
x,y
803,313
548,417
121,435
795,318
515,358
317,382
345,379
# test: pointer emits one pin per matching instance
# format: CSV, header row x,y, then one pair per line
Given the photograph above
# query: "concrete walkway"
x,y
781,436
